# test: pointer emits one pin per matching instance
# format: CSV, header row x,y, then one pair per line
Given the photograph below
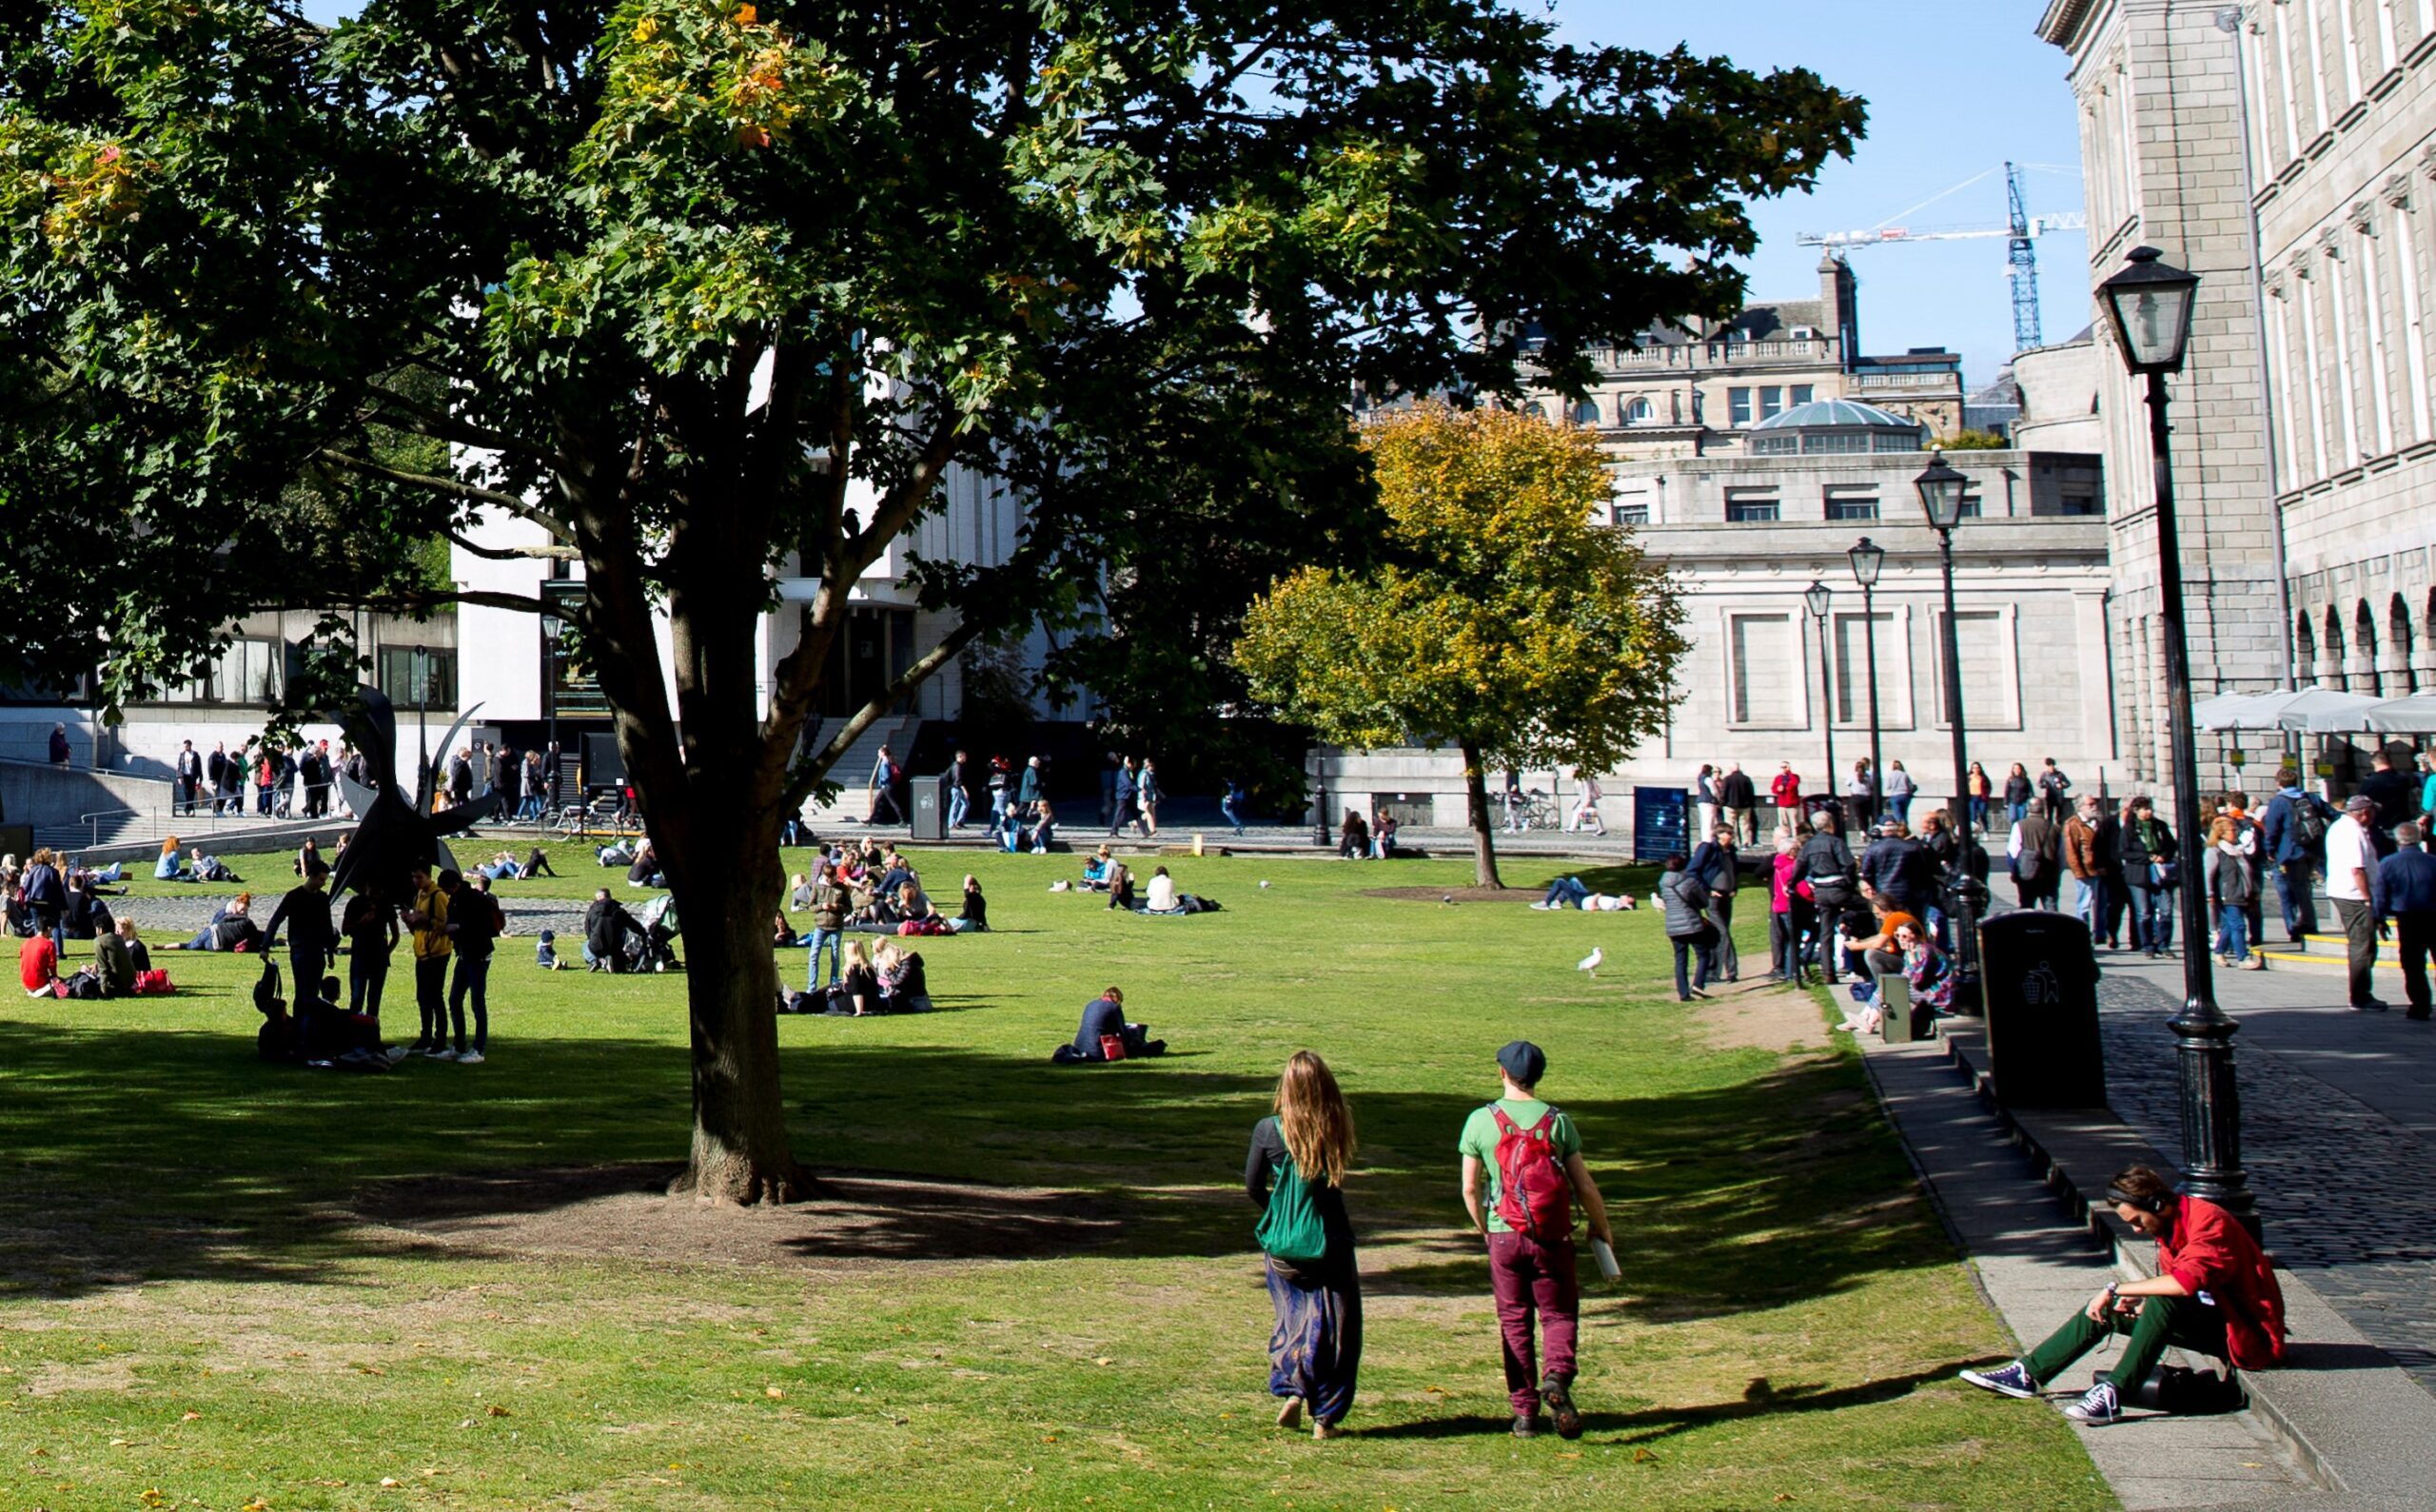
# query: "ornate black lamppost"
x,y
1941,489
1868,561
1320,802
1817,596
2150,303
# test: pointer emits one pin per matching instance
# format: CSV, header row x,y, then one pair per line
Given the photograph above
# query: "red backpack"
x,y
1534,1196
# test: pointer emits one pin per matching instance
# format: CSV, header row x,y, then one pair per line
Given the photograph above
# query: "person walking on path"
x,y
1295,1175
1235,803
1718,869
2083,858
1976,787
2033,848
881,789
2395,794
428,921
2231,887
1740,800
2407,895
1028,793
2052,786
2214,1293
1684,903
2151,872
1825,864
1128,793
2351,885
1898,791
959,794
1531,1157
1147,794
2295,826
1585,810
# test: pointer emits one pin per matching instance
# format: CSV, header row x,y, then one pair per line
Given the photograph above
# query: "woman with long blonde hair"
x,y
1295,1175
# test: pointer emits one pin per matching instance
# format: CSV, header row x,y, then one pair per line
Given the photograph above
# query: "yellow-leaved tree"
x,y
1504,620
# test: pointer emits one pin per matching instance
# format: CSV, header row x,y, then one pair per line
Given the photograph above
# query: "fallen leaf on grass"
x,y
256,1504
495,1411
188,1417
1103,1360
391,1480
774,1393
1643,1456
372,1370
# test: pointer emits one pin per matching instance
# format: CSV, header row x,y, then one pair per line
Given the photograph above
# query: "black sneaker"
x,y
1528,1425
1559,1396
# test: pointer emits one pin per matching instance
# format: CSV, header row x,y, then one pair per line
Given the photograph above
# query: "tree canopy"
x,y
707,292
1502,621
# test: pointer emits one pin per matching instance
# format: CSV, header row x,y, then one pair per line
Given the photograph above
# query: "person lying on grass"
x,y
2214,1294
232,928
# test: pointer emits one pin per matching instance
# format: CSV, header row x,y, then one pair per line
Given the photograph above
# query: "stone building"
x,y
1746,535
2162,163
1698,388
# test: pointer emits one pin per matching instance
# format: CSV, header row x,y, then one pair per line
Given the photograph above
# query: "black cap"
x,y
1523,1061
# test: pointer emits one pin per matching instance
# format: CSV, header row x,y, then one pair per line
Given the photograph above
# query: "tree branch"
x,y
454,489
896,511
515,553
812,767
441,426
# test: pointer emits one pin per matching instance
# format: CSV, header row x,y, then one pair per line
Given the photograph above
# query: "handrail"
x,y
93,821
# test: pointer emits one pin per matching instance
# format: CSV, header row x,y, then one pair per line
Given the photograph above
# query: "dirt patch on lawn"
x,y
625,1212
1457,894
1759,1015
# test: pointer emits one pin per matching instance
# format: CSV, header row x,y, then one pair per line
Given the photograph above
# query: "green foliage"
x,y
1973,441
1503,619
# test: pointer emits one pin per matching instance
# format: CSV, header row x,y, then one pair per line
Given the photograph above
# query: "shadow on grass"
x,y
141,1153
1658,1423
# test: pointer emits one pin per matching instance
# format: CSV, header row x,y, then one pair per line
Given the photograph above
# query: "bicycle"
x,y
1536,812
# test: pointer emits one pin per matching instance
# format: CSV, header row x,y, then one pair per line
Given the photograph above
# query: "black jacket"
x,y
1733,791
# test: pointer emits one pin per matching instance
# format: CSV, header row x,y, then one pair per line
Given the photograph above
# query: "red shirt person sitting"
x,y
2214,1294
38,965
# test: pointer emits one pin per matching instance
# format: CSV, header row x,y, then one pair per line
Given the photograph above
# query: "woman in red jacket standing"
x,y
2214,1294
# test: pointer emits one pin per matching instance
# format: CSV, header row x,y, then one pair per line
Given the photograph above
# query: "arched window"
x,y
1586,412
1638,413
2363,645
2305,648
2331,661
2399,645
1536,410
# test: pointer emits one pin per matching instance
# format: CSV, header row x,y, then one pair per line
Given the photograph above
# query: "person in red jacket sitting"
x,y
2214,1294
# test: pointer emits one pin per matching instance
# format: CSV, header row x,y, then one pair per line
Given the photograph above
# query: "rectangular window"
x,y
1852,501
1763,671
1801,393
1852,673
1737,404
2079,504
1749,506
1631,514
1970,501
1772,401
574,688
418,677
1985,643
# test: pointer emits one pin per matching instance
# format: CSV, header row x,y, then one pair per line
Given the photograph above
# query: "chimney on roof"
x,y
1839,299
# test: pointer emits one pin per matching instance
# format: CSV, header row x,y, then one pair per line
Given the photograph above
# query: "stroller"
x,y
649,950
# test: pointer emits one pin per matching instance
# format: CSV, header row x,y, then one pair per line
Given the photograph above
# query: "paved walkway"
x,y
2035,1269
2338,1130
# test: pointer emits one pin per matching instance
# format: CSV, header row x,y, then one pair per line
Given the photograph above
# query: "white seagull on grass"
x,y
1590,962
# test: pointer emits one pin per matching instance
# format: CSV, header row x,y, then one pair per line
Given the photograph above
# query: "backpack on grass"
x,y
1534,1196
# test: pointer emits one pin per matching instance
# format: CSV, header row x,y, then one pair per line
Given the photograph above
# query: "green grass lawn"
x,y
222,1282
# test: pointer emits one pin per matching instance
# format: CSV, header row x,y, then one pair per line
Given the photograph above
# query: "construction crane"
x,y
2021,234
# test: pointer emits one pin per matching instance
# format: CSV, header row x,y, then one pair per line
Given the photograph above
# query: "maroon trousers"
x,y
1529,1277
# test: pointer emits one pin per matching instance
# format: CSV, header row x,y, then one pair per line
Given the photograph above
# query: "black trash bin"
x,y
2039,979
931,808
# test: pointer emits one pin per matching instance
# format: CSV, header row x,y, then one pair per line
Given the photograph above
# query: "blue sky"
x,y
1954,87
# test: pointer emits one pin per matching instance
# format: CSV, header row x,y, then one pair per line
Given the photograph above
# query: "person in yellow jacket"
x,y
427,917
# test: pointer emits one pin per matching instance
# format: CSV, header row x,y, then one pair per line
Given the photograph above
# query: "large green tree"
x,y
1502,621
706,291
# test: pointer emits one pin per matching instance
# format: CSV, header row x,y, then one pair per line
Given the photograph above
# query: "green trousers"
x,y
2185,1322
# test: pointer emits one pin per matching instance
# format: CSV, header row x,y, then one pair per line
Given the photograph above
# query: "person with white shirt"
x,y
2351,885
1162,894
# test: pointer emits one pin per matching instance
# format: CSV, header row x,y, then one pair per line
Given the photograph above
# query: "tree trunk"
x,y
1484,831
726,893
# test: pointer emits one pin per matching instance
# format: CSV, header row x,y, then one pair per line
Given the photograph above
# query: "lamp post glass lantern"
x,y
1817,596
1941,488
2149,305
1868,561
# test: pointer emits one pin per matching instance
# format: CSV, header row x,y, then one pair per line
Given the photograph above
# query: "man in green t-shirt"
x,y
1531,1275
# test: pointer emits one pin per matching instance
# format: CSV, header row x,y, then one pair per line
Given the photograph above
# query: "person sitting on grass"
x,y
974,919
607,926
856,994
1120,886
170,867
903,985
1104,1028
86,917
1354,843
114,959
1383,839
1096,870
38,965
545,952
645,870
1160,897
2214,1293
798,892
201,868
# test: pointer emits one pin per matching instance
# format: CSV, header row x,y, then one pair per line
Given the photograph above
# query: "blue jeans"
x,y
1564,891
473,980
958,803
1978,814
1900,807
2292,882
834,941
364,975
1227,807
2092,907
2152,916
2233,919
2014,811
